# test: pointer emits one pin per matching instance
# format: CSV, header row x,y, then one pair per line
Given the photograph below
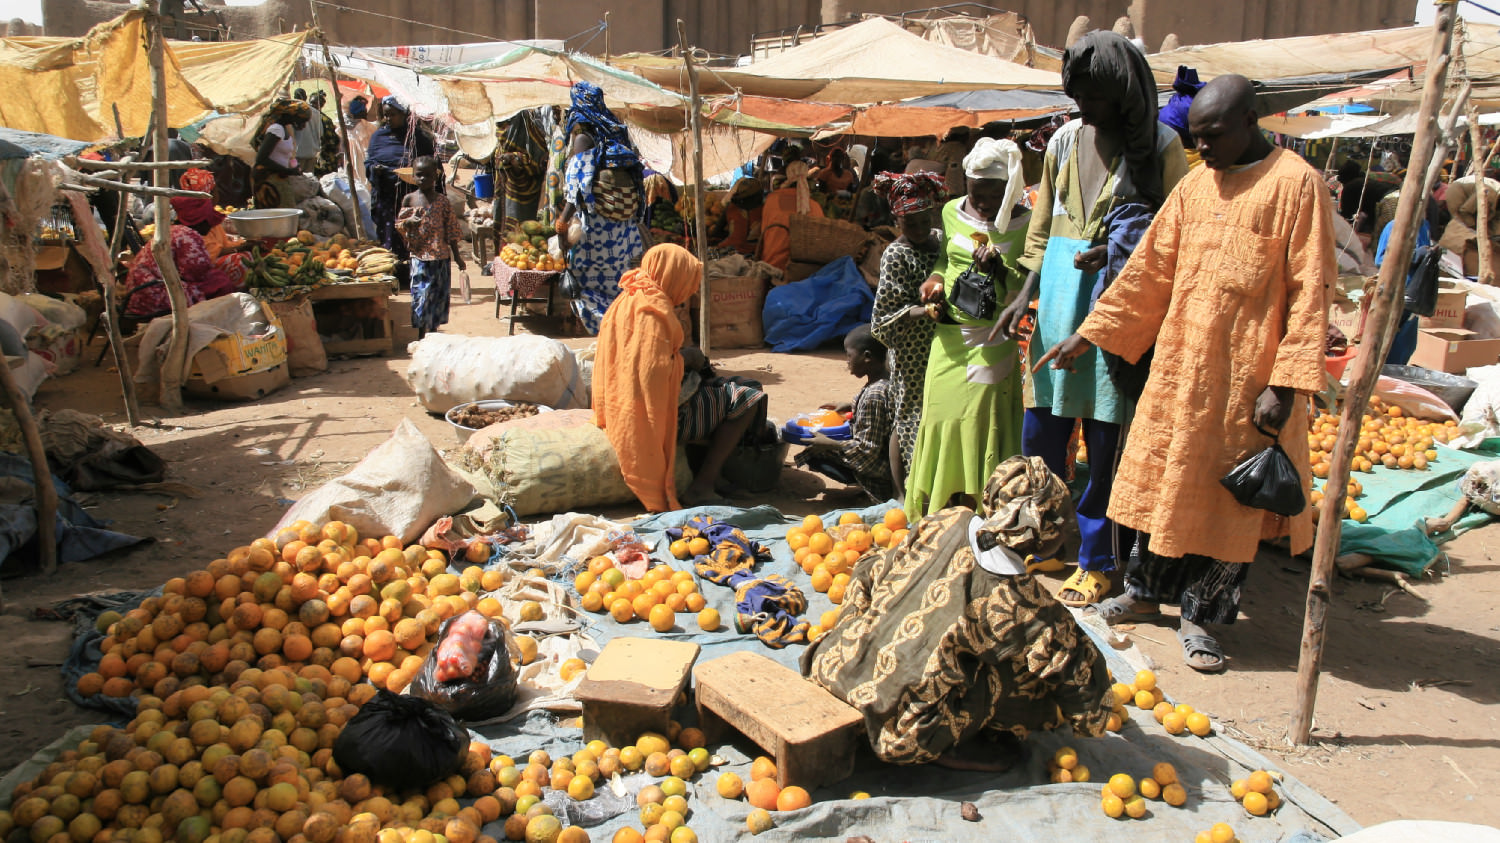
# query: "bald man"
x,y
1229,285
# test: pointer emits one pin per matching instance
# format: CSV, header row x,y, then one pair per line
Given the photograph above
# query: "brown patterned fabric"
x,y
1026,507
935,651
615,196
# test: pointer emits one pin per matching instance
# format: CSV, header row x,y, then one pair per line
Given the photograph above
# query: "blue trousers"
x,y
1046,435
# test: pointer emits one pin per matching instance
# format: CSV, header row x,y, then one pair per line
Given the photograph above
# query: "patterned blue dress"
x,y
604,253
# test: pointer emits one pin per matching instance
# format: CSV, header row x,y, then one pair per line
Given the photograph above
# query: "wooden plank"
x,y
632,688
355,290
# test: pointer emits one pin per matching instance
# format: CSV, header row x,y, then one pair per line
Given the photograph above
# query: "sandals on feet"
x,y
1202,653
1092,585
1118,610
1044,566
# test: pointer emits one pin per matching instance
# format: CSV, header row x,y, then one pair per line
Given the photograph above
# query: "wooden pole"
x,y
46,493
1481,201
90,164
1385,311
700,240
111,318
174,368
86,181
338,109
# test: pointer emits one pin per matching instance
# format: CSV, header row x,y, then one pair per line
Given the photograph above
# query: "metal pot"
x,y
266,223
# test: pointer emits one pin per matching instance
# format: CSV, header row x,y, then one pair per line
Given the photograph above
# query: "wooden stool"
x,y
811,733
632,687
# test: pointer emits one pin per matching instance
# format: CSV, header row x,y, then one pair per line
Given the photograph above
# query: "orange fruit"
x,y
1164,773
708,619
1174,794
1113,806
621,610
1198,723
792,798
762,793
850,517
1221,833
821,544
895,519
661,618
1259,782
762,768
730,786
1122,785
812,524
1256,804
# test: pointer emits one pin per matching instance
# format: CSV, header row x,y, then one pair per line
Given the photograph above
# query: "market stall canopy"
x,y
936,114
65,86
873,61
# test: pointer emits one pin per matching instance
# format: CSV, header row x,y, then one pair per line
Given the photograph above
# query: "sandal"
x,y
1044,566
1093,585
1202,653
1118,610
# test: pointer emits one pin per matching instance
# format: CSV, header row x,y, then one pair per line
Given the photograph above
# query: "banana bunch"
x,y
267,271
375,261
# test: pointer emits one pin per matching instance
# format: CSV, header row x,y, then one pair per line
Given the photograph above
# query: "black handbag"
x,y
1267,480
974,295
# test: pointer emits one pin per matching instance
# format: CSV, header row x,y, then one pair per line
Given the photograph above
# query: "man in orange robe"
x,y
1230,286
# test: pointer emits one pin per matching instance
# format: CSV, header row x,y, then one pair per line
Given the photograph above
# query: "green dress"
x,y
971,397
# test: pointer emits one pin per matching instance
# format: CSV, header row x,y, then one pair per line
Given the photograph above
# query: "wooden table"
x,y
521,285
379,316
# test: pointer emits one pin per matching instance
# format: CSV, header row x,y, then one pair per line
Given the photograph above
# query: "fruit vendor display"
x,y
1256,793
828,556
302,260
526,248
657,596
1389,438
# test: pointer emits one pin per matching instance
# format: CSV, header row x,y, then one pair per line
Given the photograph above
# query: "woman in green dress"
x,y
971,398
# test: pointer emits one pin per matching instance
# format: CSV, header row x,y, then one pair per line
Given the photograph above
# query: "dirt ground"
x,y
1406,716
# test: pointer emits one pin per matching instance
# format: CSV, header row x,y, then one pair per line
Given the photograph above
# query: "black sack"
x,y
489,691
1268,481
401,743
1422,281
974,295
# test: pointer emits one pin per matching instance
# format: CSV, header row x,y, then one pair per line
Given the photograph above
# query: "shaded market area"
x,y
494,440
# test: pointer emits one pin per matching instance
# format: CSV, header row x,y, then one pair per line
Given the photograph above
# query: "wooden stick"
x,y
1386,310
174,368
111,319
141,189
1485,245
338,108
89,164
46,493
695,120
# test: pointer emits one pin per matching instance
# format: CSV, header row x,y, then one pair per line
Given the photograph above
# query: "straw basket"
x,y
822,240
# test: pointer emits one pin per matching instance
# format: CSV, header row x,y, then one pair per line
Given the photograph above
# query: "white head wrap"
x,y
796,176
995,158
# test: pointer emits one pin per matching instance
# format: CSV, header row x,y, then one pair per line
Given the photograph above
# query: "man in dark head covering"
x,y
1109,79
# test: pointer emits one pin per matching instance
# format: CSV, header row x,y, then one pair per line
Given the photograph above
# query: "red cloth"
x,y
202,279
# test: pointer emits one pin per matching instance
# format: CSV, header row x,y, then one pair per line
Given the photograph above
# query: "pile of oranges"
x,y
1145,695
763,794
1219,833
358,608
828,556
1256,793
1123,796
1388,436
656,598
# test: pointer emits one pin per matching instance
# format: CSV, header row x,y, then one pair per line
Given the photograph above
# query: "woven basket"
x,y
822,240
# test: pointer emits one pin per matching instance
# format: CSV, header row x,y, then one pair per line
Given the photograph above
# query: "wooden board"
x,y
812,734
632,687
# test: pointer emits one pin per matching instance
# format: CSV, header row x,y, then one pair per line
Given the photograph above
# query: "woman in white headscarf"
x,y
793,197
971,399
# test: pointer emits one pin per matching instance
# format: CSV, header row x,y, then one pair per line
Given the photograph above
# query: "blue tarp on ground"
x,y
922,803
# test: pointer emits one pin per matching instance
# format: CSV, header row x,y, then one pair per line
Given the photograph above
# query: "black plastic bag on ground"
x,y
401,742
1268,481
488,692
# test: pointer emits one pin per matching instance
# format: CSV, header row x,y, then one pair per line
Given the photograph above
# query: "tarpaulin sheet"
x,y
922,802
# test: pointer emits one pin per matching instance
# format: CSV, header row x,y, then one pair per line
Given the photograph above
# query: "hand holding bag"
x,y
1268,480
974,295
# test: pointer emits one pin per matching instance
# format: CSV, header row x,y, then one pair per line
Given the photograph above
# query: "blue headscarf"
x,y
1175,112
611,139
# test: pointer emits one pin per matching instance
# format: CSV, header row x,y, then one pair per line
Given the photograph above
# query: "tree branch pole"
x,y
1485,245
1384,312
46,492
174,368
700,240
90,164
111,317
338,109
85,182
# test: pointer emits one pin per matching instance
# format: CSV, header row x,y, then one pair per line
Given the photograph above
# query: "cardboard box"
x,y
1451,303
1348,317
235,355
1453,350
247,387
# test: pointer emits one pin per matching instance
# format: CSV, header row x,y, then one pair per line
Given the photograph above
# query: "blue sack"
x,y
803,315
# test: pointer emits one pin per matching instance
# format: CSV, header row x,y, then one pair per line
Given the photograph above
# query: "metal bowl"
x,y
266,223
463,432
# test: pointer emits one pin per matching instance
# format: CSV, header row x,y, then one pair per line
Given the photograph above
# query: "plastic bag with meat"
x,y
469,673
458,650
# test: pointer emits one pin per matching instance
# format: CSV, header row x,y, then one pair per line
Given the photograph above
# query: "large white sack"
x,y
447,370
398,490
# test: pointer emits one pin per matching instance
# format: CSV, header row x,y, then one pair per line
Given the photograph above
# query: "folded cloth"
x,y
769,607
730,551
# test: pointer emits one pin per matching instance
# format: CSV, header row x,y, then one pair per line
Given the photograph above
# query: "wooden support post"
x,y
1384,313
111,317
46,493
86,181
174,368
700,240
1485,245
338,109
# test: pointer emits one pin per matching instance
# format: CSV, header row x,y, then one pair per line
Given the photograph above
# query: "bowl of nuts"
x,y
476,415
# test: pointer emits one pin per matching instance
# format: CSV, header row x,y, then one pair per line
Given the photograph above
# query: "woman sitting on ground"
x,y
650,393
200,214
950,649
202,278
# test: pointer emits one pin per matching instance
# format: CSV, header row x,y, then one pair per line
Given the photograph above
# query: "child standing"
x,y
430,228
864,460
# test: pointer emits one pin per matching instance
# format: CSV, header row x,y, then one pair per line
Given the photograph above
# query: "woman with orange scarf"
x,y
641,399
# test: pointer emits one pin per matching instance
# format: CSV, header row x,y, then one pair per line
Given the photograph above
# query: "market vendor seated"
x,y
866,459
651,393
203,277
950,649
742,216
199,213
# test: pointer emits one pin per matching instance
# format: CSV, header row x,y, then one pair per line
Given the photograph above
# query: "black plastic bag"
x,y
1268,481
401,742
1422,281
488,692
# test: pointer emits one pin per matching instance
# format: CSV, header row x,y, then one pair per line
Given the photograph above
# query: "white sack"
x,y
447,370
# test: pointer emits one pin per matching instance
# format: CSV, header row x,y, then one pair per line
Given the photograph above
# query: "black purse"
x,y
974,295
1267,480
1422,281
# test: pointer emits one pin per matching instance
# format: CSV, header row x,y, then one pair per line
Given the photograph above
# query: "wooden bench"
x,y
632,687
811,733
